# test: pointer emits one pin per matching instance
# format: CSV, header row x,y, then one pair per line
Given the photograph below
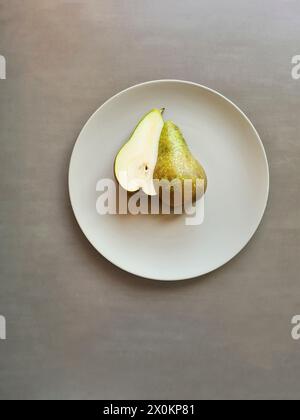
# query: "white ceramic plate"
x,y
220,136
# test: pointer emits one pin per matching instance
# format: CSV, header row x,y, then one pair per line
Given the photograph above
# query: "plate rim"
x,y
166,278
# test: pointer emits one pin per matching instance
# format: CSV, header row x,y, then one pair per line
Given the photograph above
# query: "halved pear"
x,y
136,160
176,164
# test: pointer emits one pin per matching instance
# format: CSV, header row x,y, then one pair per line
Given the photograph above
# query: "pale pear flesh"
x,y
136,160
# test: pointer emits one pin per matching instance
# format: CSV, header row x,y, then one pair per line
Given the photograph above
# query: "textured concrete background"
x,y
78,327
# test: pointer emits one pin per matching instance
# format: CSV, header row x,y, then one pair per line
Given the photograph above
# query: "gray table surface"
x,y
79,327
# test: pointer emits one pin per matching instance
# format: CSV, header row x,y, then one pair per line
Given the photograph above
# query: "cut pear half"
x,y
136,160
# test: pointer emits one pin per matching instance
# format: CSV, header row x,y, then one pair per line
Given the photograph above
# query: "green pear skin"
x,y
175,160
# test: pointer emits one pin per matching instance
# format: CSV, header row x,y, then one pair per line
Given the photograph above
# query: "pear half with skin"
x,y
176,163
136,160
